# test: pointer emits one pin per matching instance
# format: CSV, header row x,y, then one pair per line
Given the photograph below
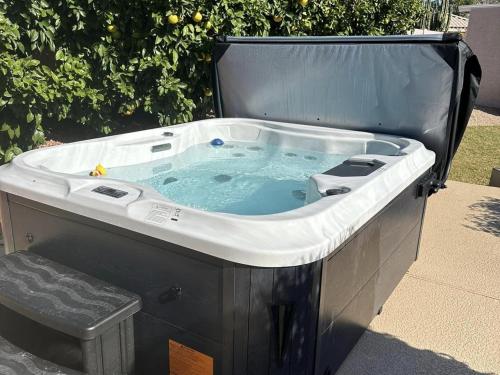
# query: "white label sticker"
x,y
160,214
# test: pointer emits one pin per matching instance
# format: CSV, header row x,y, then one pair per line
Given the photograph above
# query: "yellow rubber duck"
x,y
99,170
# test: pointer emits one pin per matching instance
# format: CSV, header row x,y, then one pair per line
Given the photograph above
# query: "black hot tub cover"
x,y
420,87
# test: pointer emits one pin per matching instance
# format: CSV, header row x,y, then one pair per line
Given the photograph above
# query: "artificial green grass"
x,y
478,153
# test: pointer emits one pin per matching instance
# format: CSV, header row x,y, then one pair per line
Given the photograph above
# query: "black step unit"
x,y
15,361
95,314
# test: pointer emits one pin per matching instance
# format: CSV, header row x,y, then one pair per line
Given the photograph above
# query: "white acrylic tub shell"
x,y
284,239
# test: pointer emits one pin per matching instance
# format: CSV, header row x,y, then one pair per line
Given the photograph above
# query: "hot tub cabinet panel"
x,y
250,320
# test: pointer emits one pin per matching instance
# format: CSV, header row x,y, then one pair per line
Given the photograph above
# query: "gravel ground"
x,y
483,116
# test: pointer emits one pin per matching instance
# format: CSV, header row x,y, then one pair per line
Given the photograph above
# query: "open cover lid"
x,y
420,87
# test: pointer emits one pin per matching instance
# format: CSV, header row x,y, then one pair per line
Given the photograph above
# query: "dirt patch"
x,y
50,143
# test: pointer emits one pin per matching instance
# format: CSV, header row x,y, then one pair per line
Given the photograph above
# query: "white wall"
x,y
483,36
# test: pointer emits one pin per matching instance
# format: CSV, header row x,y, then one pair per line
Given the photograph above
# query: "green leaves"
x,y
60,55
11,152
61,66
30,117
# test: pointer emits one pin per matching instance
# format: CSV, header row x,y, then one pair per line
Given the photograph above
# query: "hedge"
x,y
106,66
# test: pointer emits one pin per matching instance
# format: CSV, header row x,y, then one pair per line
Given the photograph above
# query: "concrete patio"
x,y
444,317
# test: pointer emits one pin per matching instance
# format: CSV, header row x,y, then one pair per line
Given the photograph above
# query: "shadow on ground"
x,y
485,216
489,110
377,354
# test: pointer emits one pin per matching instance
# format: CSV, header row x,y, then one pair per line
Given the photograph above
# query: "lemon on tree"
x,y
112,28
197,17
205,57
207,91
173,19
208,25
277,19
303,2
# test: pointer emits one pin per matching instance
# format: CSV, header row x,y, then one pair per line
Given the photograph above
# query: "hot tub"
x,y
317,185
270,250
205,233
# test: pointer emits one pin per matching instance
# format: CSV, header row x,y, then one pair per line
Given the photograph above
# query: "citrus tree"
x,y
109,65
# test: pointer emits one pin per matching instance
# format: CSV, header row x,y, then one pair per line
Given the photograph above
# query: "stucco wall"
x,y
483,35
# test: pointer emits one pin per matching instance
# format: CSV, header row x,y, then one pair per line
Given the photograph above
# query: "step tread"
x,y
60,297
15,361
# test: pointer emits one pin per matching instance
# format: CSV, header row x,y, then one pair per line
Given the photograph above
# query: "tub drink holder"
x,y
96,316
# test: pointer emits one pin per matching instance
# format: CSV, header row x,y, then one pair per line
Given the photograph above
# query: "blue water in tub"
x,y
239,177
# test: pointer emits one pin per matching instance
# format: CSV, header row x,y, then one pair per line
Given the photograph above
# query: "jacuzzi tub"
x,y
337,201
228,285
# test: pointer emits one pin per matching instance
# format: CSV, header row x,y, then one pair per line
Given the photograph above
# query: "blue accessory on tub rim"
x,y
217,142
